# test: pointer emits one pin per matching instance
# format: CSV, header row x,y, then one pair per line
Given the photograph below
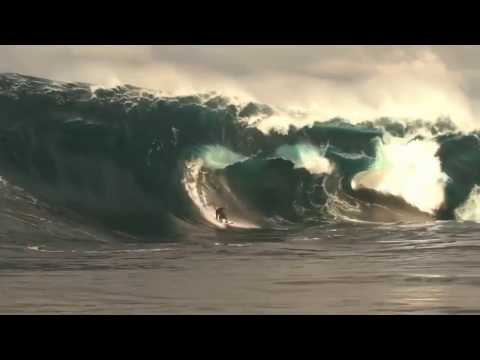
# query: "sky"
x,y
354,82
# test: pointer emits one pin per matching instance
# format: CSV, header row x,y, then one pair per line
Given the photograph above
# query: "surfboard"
x,y
226,222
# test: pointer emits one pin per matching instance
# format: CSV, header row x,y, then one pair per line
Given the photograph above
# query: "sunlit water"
x,y
343,269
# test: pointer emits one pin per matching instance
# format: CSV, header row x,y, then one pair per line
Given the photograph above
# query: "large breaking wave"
x,y
152,165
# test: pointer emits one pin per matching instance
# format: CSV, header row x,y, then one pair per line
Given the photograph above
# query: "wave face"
x,y
156,166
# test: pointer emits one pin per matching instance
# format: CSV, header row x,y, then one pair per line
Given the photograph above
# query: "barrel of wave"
x,y
213,157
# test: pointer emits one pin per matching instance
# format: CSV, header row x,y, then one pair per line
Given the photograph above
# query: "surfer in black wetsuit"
x,y
220,215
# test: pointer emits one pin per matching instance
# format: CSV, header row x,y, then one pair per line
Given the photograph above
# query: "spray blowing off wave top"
x,y
155,166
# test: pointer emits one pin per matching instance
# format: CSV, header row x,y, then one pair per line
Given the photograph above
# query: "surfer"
x,y
220,215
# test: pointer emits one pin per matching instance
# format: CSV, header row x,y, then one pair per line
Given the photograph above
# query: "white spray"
x,y
410,170
470,209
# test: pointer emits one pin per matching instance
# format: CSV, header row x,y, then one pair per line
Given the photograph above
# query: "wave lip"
x,y
308,157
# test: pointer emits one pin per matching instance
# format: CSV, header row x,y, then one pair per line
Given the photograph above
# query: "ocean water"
x,y
410,269
108,198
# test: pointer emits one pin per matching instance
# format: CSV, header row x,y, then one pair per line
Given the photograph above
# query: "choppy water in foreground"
x,y
348,269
